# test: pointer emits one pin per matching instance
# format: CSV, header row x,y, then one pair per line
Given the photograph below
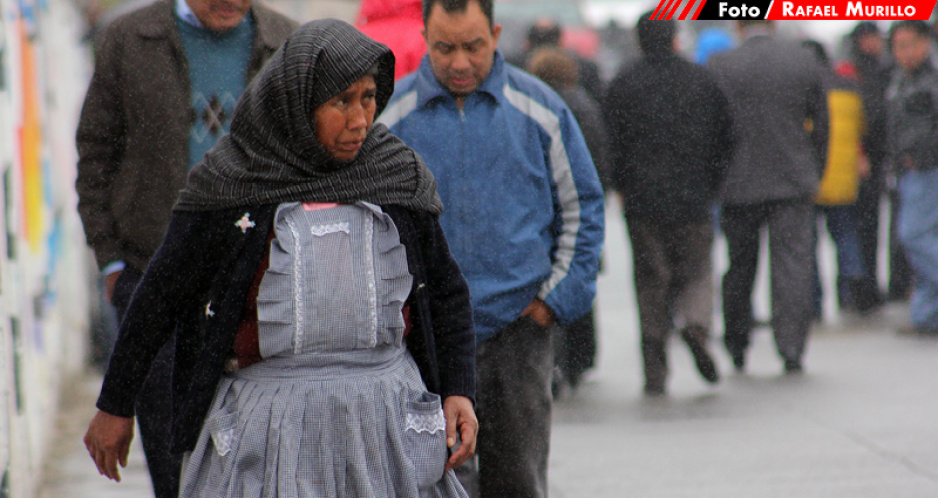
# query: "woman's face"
x,y
344,120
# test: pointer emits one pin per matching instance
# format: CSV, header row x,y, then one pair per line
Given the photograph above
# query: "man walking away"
x,y
774,88
671,136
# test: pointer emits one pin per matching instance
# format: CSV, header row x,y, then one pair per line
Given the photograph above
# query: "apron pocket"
x,y
425,436
222,428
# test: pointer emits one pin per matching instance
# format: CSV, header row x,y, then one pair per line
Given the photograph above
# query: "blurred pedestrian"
x,y
873,70
575,345
913,145
671,134
524,218
397,24
166,80
546,33
774,87
837,192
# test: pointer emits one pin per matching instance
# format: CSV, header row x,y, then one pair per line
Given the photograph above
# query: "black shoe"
x,y
865,295
793,367
696,339
739,362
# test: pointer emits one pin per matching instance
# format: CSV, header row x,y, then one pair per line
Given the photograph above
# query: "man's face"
x,y
219,15
909,48
871,44
461,47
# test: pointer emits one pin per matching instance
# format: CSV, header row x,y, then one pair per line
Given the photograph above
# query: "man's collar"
x,y
429,88
184,12
925,67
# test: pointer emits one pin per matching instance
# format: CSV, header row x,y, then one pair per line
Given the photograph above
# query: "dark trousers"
x,y
900,272
154,402
869,196
673,283
791,233
575,348
513,404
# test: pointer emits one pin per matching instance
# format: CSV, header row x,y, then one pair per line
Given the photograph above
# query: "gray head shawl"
x,y
272,154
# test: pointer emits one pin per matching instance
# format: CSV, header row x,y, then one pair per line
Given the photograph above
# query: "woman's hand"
x,y
108,442
461,419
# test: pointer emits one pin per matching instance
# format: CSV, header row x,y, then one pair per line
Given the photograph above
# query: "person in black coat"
x,y
671,136
873,70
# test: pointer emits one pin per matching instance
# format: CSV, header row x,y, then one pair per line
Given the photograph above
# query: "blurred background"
x,y
53,323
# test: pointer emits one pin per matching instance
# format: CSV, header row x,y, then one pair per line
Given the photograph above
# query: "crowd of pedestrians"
x,y
374,272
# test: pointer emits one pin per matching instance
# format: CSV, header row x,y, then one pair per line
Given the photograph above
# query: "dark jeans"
x,y
673,284
575,348
866,208
154,402
791,250
841,223
513,404
900,272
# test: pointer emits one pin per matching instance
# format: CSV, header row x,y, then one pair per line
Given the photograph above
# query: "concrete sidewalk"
x,y
860,422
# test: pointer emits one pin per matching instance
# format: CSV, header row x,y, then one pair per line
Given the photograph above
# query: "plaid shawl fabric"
x,y
272,154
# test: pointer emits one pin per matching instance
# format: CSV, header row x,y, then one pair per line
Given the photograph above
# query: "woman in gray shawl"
x,y
323,333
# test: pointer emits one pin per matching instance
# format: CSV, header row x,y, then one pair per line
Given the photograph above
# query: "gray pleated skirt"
x,y
349,424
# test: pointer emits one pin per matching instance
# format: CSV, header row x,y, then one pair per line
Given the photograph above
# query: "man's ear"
x,y
496,32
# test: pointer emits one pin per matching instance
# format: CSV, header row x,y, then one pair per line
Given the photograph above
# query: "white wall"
x,y
44,263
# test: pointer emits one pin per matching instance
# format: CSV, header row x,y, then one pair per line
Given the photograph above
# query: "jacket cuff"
x,y
464,385
105,254
120,408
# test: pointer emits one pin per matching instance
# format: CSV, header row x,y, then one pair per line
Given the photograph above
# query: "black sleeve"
x,y
820,119
181,268
451,311
725,144
100,142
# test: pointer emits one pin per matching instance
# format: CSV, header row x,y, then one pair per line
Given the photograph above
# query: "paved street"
x,y
861,421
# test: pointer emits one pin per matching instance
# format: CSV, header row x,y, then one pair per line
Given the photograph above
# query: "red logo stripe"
x,y
677,4
661,4
690,3
699,8
664,12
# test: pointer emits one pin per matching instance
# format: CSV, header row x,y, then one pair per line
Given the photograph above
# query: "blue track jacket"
x,y
523,204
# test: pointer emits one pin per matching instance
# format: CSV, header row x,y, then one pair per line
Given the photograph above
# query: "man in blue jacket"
x,y
523,217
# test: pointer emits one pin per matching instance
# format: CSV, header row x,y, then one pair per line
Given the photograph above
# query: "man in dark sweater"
x,y
167,77
671,133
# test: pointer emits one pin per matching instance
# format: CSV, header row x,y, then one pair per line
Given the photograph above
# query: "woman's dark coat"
x,y
197,284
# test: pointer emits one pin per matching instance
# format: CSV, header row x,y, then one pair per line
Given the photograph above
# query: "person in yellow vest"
x,y
837,193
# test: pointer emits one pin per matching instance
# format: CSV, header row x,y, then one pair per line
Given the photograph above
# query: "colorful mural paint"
x,y
43,339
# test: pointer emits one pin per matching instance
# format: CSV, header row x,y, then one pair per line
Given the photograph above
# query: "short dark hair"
x,y
818,50
919,27
544,34
458,6
654,36
864,28
745,23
